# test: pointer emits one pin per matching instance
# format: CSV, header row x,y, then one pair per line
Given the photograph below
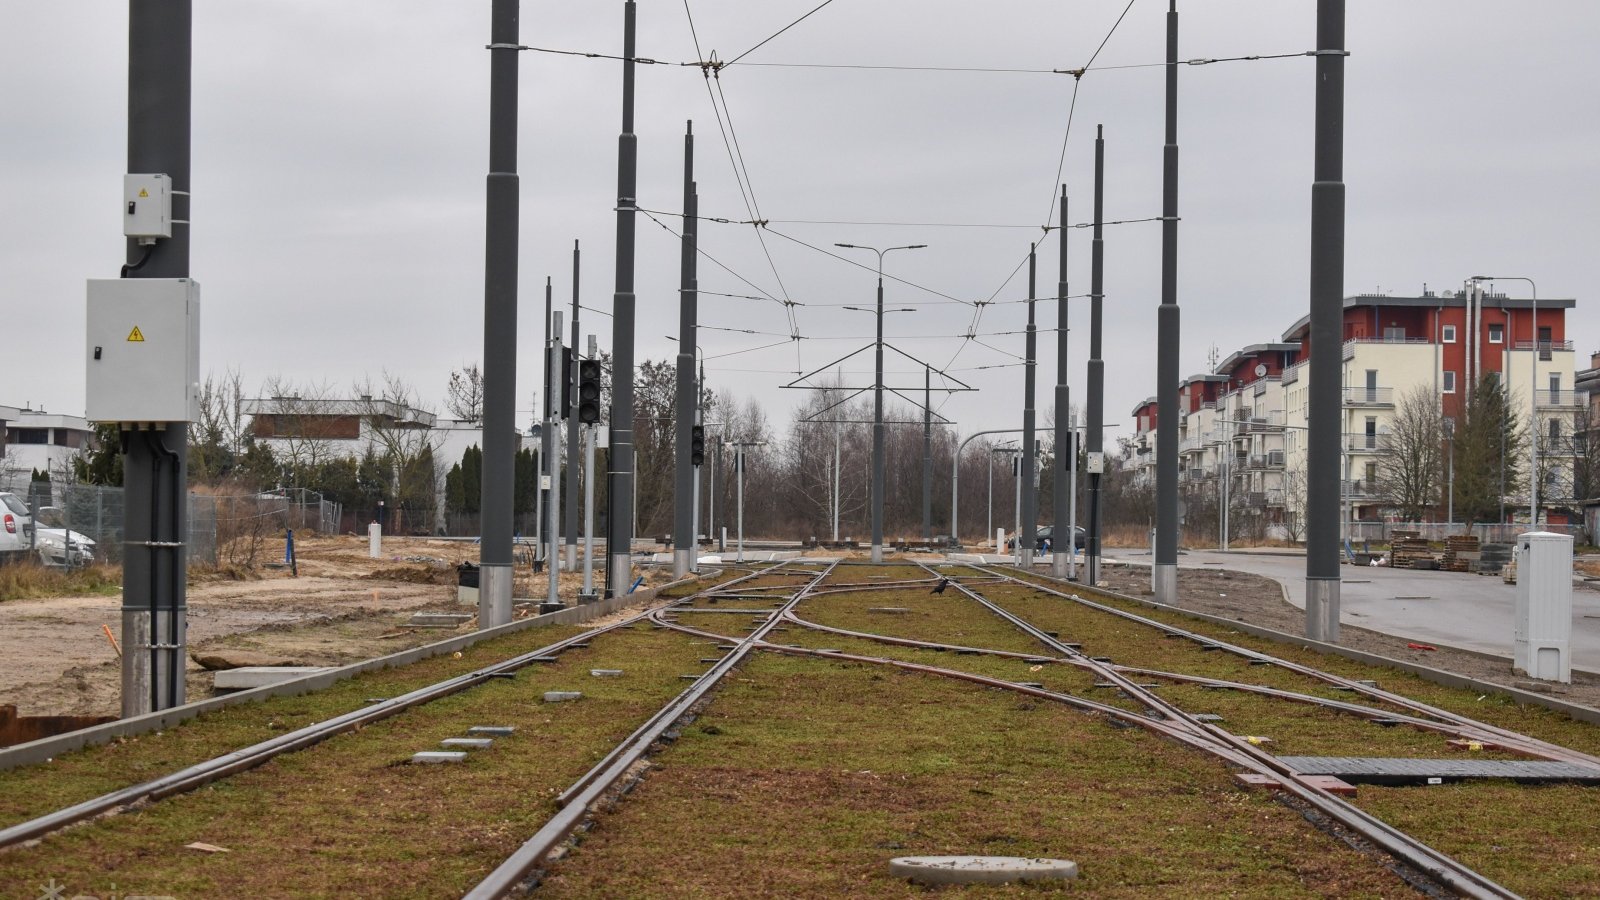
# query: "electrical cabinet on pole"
x,y
142,346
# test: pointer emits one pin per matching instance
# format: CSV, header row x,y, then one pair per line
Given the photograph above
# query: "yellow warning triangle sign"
x,y
143,193
136,335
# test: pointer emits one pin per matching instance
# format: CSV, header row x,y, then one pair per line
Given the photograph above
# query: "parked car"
x,y
59,545
1080,537
16,528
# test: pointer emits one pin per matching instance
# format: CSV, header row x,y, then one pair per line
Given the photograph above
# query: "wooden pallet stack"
x,y
1460,553
1407,550
1494,559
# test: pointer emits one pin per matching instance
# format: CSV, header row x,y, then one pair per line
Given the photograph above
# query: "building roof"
x,y
298,406
1255,350
1429,300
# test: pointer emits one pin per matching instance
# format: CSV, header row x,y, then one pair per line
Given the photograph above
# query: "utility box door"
x,y
1542,625
143,350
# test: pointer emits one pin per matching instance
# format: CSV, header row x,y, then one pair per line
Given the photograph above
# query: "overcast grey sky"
x,y
340,150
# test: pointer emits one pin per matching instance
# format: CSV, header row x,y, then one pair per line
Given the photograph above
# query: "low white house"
x,y
32,439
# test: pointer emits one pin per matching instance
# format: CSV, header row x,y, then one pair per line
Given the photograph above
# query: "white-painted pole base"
x,y
494,595
1058,563
375,541
681,560
1322,609
877,553
1164,582
621,573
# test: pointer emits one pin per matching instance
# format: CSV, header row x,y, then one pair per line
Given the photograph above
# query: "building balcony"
x,y
1369,396
1358,489
1559,399
1367,443
1272,459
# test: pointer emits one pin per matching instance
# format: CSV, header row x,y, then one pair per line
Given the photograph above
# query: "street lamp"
x,y
1533,394
738,467
877,404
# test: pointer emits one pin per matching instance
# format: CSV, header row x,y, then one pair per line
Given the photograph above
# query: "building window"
x,y
30,435
1449,334
1497,333
1555,431
1394,333
1449,382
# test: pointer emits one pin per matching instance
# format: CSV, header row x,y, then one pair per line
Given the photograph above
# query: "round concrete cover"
x,y
980,869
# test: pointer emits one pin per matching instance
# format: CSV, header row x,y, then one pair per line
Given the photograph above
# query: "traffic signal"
x,y
697,444
565,406
589,391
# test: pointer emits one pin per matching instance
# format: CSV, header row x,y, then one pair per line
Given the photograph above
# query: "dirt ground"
x,y
56,659
1259,601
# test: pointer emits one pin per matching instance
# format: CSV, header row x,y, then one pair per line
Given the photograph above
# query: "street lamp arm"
x,y
955,477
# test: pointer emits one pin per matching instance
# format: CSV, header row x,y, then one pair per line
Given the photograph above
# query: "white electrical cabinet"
x,y
1542,628
147,206
143,350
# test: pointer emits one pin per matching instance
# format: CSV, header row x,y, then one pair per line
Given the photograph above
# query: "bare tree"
x,y
463,396
295,420
1411,457
401,434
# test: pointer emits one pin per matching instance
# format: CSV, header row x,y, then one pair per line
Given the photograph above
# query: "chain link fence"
x,y
81,524
1492,533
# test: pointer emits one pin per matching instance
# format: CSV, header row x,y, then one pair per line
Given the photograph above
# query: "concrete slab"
x,y
247,677
561,696
449,620
493,730
606,673
980,869
435,757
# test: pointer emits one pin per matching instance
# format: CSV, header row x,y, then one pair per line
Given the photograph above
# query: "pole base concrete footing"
x,y
1322,609
494,595
1164,583
681,560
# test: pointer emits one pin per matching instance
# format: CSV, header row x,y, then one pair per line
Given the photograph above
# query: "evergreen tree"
x,y
1489,448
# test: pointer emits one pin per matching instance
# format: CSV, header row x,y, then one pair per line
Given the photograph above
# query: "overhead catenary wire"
x,y
780,31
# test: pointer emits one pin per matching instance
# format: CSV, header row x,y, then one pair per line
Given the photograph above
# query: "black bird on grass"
x,y
943,583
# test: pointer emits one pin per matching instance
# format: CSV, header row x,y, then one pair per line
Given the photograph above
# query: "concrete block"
x,y
606,673
448,620
561,696
439,756
493,730
243,679
467,743
980,869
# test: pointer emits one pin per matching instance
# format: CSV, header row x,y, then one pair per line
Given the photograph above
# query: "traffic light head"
x,y
697,444
589,391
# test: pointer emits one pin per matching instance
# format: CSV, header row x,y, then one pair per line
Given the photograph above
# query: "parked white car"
x,y
58,545
16,528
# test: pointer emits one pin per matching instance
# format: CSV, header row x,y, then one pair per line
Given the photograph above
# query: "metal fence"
x,y
222,528
1494,533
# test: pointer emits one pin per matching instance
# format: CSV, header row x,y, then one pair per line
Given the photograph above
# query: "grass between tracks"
x,y
351,818
804,777
81,775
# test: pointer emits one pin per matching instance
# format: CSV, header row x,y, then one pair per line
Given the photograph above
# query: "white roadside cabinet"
x,y
1543,624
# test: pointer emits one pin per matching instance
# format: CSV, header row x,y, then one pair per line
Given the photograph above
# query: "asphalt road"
x,y
1455,609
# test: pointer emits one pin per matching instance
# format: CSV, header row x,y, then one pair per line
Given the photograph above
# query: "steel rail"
x,y
515,869
1481,731
605,762
1434,863
203,773
1354,709
1182,728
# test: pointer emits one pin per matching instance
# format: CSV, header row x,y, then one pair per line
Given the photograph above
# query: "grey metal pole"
x,y
1327,314
571,529
738,469
1016,507
955,480
683,549
588,511
722,544
927,454
155,461
1029,497
548,537
1072,500
699,419
837,459
1061,497
1164,573
619,538
1095,407
877,428
552,422
500,323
